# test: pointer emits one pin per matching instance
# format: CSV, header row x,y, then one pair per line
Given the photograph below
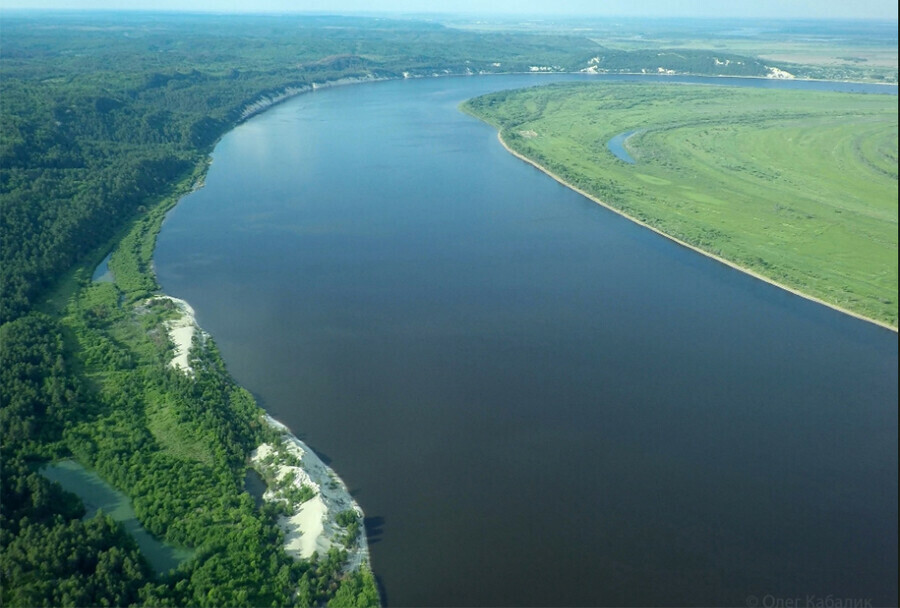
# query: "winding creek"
x,y
535,401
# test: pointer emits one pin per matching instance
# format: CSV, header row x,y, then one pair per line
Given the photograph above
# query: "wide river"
x,y
535,401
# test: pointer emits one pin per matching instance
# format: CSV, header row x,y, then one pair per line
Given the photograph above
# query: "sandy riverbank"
x,y
181,332
311,527
719,259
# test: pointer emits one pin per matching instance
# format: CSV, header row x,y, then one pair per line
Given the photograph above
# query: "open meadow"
x,y
797,186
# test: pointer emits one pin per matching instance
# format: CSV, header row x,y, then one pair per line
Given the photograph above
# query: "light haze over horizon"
x,y
759,9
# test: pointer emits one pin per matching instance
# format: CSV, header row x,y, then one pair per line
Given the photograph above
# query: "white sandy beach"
x,y
181,333
311,528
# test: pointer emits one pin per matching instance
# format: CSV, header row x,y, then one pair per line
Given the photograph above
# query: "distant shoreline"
x,y
678,241
265,102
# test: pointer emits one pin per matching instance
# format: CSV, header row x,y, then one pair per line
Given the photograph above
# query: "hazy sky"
x,y
827,9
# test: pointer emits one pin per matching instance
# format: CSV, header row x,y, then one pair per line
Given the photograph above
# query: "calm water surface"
x,y
535,401
102,273
616,145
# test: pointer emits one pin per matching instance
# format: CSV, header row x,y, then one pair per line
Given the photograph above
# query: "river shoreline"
x,y
264,102
311,527
687,245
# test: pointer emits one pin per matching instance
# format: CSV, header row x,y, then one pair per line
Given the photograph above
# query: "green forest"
x,y
105,121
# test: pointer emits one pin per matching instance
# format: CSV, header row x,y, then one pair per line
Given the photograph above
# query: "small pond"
x,y
255,486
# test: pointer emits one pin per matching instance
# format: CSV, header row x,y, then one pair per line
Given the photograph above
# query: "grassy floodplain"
x,y
799,187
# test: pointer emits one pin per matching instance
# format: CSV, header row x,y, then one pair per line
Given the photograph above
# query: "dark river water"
x,y
535,401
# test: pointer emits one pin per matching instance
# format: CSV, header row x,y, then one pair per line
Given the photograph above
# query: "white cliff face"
x,y
779,74
267,101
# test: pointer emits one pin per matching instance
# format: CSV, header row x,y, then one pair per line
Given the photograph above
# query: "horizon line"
x,y
430,14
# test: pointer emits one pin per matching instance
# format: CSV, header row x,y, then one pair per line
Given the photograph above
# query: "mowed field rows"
x,y
798,186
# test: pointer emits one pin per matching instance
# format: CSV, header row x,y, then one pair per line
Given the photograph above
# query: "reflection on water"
x,y
96,494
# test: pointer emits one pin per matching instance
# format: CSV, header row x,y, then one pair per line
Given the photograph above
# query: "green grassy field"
x,y
799,187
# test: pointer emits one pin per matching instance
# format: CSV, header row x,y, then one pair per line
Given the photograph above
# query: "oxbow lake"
x,y
535,401
97,495
616,145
